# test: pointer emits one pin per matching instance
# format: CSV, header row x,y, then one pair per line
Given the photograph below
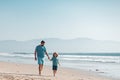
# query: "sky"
x,y
65,19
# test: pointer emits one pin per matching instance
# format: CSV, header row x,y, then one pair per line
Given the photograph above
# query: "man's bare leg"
x,y
40,68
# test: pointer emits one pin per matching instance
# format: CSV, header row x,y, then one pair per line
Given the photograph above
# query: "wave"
x,y
103,59
17,55
68,57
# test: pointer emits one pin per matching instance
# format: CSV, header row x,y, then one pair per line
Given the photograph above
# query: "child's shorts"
x,y
54,67
40,61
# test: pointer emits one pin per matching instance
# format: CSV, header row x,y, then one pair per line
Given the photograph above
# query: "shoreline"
x,y
19,71
101,65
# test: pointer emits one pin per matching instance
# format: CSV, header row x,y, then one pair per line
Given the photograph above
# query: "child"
x,y
55,62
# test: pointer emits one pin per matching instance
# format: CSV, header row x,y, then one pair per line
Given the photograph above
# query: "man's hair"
x,y
42,41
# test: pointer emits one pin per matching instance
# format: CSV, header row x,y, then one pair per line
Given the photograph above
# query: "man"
x,y
39,53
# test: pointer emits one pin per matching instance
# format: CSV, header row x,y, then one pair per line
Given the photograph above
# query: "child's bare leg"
x,y
54,72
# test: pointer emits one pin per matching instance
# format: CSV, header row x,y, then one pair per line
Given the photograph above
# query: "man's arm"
x,y
47,55
35,55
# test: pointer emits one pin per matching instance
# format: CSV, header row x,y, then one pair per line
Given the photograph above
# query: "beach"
x,y
17,71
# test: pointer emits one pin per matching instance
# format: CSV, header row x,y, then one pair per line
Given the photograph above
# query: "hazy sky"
x,y
65,19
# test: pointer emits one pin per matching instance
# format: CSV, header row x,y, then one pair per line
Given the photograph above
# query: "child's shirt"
x,y
55,61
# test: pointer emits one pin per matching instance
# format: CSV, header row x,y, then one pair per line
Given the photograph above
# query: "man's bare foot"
x,y
40,73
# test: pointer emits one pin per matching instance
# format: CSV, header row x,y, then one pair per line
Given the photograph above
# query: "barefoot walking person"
x,y
39,53
55,63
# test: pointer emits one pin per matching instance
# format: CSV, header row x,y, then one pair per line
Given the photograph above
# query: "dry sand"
x,y
13,71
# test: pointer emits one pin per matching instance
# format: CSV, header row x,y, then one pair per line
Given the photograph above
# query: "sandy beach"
x,y
13,71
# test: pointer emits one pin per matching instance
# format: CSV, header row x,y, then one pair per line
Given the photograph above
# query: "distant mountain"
x,y
59,45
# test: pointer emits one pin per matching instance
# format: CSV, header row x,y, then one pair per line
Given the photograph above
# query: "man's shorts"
x,y
40,60
54,67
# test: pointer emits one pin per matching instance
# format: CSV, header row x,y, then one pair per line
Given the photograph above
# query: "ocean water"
x,y
107,64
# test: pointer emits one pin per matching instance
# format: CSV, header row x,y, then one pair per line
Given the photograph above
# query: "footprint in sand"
x,y
8,77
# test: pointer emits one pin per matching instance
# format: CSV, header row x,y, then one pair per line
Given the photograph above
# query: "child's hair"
x,y
55,53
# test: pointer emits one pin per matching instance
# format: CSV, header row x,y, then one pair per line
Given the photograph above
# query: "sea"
x,y
105,64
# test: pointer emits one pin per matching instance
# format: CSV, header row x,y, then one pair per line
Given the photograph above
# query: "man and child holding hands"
x,y
40,52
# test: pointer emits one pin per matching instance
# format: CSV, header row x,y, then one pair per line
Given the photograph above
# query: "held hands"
x,y
48,57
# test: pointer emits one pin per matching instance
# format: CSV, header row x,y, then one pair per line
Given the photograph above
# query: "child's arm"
x,y
51,59
58,62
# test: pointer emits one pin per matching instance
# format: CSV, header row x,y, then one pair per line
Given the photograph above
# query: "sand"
x,y
13,71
